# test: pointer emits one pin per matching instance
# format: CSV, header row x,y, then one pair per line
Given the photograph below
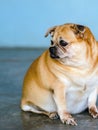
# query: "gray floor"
x,y
13,65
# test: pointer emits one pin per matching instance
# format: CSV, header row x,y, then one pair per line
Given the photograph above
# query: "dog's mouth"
x,y
54,56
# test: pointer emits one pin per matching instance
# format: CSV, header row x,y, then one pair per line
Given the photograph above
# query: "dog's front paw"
x,y
68,119
93,112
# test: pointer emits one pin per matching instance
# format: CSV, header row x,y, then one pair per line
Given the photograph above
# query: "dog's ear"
x,y
50,31
80,28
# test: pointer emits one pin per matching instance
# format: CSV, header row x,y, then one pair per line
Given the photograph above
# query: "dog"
x,y
64,79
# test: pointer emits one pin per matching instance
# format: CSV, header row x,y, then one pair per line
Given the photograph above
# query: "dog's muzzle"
x,y
53,52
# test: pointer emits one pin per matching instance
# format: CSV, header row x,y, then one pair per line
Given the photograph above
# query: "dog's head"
x,y
70,41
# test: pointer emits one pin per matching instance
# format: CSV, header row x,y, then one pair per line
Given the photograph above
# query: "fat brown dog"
x,y
64,79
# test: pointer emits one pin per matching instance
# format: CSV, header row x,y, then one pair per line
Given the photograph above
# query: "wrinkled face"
x,y
68,40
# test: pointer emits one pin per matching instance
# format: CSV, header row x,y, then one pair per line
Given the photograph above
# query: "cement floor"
x,y
13,65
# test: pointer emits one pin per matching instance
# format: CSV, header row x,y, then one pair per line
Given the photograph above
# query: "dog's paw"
x,y
68,119
93,112
53,115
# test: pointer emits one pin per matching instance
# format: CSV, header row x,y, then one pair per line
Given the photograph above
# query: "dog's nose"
x,y
52,50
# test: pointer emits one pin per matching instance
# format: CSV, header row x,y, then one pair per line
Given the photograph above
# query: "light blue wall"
x,y
24,22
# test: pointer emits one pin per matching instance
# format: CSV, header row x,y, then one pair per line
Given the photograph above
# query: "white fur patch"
x,y
29,108
78,92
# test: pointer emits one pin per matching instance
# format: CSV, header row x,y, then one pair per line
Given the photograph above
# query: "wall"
x,y
23,23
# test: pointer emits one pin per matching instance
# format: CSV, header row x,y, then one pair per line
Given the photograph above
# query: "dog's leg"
x,y
92,104
60,99
36,109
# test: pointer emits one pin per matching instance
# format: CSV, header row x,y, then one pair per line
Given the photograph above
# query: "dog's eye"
x,y
51,42
63,43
